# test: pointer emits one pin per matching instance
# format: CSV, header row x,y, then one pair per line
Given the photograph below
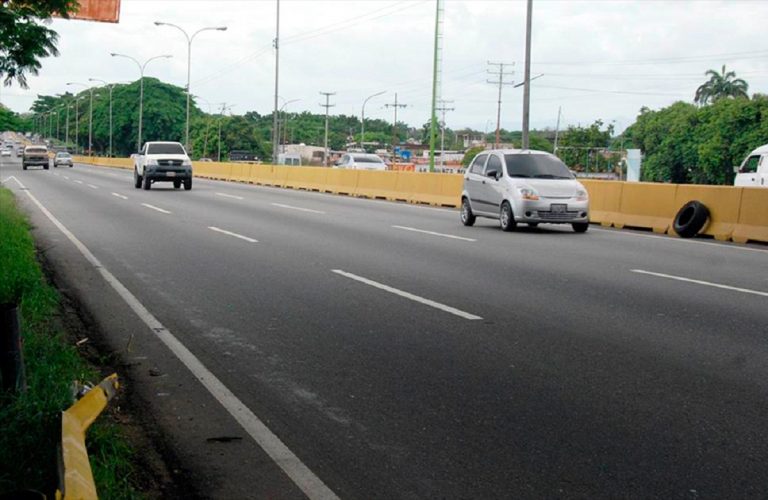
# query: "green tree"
x,y
24,40
720,85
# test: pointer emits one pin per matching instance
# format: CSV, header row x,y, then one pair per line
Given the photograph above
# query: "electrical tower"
x,y
437,65
443,108
501,74
327,105
394,125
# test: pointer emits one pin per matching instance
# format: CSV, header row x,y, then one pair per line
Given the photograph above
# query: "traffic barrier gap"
x,y
77,478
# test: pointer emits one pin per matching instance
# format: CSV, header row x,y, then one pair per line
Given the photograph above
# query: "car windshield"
x,y
536,166
62,155
37,150
165,149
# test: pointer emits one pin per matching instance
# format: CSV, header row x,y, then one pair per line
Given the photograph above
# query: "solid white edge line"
x,y
291,207
230,233
120,196
155,208
300,474
407,295
406,228
225,195
700,282
724,245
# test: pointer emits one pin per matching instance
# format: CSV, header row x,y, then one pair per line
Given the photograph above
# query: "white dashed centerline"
x,y
92,186
423,231
155,208
120,196
290,207
700,282
225,195
79,182
408,295
234,235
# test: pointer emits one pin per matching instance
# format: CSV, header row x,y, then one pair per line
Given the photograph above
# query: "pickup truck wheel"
x,y
690,219
506,218
24,167
580,227
147,183
187,184
177,184
136,179
467,217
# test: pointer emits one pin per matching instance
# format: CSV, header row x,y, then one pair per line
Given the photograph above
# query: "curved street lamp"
x,y
110,86
285,123
362,117
90,115
141,87
189,64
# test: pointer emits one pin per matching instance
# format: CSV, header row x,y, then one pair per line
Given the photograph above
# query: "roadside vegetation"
x,y
29,421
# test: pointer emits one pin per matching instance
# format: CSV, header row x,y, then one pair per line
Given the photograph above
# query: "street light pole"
x,y
90,116
527,87
189,65
142,67
362,117
110,86
277,74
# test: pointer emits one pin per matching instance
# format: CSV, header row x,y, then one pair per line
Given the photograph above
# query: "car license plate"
x,y
558,208
171,174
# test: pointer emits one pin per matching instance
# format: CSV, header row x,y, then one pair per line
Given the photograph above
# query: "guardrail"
x,y
736,213
76,481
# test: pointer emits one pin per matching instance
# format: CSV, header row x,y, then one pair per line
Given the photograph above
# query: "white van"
x,y
753,171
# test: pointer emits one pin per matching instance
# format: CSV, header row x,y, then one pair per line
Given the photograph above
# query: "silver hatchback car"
x,y
526,186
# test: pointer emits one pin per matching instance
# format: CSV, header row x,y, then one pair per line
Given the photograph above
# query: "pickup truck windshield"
x,y
36,151
165,149
536,166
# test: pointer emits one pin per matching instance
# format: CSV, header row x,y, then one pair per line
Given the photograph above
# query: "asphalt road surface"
x,y
397,354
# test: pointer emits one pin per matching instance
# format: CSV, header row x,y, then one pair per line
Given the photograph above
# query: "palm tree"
x,y
720,85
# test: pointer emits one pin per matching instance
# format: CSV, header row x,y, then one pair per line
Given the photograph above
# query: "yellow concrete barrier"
x,y
381,185
451,186
77,480
723,203
240,172
210,170
261,174
647,205
308,178
428,189
125,163
753,216
604,200
341,181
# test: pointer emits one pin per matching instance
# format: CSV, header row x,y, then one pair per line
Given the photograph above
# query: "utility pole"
x,y
443,109
224,107
327,106
66,127
501,74
275,132
436,79
557,127
527,77
394,126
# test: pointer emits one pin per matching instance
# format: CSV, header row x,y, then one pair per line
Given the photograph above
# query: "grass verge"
x,y
29,421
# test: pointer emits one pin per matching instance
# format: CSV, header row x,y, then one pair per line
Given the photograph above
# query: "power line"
x,y
501,74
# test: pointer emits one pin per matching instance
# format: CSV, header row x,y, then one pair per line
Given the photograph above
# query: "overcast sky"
x,y
599,59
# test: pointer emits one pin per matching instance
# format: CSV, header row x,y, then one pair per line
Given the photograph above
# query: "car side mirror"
x,y
493,173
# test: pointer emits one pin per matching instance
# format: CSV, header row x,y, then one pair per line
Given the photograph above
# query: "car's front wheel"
x,y
187,184
177,184
147,183
506,218
136,179
467,217
580,227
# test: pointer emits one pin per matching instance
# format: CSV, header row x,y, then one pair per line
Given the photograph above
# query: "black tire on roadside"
x,y
690,219
507,218
467,217
580,227
147,183
187,184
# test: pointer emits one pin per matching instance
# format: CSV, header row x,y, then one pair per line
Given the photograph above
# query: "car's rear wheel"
x,y
506,218
580,227
187,184
467,217
136,179
147,183
177,184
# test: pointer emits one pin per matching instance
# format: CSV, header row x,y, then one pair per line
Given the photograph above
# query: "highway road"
x,y
397,354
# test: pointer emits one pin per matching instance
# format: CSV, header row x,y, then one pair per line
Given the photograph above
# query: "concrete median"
x,y
723,203
604,200
648,206
753,216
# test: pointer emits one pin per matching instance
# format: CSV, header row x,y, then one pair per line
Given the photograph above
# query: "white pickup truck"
x,y
162,162
753,171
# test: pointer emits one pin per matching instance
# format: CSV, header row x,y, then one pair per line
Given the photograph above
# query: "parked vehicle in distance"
x,y
242,156
35,156
526,186
205,159
62,159
361,161
289,159
5,152
753,171
162,162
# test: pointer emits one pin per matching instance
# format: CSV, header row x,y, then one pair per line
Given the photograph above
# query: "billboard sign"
x,y
105,11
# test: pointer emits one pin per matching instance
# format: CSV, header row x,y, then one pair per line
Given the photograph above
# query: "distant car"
x,y
527,186
20,151
5,152
35,155
204,159
62,159
361,161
